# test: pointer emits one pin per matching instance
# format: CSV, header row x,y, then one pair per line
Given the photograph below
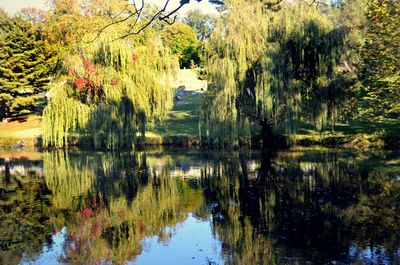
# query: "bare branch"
x,y
312,2
113,22
138,16
172,12
159,15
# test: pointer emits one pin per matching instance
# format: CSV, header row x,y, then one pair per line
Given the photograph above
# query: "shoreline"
x,y
361,141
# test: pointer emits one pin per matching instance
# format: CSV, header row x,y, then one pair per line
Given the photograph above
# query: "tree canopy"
x,y
203,24
381,59
271,68
182,40
111,90
25,66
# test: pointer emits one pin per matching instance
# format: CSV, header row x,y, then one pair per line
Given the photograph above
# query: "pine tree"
x,y
23,67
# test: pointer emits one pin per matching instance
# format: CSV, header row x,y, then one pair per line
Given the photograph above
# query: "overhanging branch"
x,y
162,14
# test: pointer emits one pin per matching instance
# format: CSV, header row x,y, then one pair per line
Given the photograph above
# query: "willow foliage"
x,y
113,90
121,199
67,178
271,67
62,116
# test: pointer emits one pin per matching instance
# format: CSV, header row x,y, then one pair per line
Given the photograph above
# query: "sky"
x,y
12,6
204,5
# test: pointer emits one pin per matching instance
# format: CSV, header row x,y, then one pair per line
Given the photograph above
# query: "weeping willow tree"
x,y
112,91
115,233
270,68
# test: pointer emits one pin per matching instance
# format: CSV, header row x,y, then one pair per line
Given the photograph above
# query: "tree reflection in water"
x,y
24,215
288,207
125,203
315,207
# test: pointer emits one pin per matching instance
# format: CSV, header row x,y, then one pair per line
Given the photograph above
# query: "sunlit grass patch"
x,y
26,130
182,120
358,135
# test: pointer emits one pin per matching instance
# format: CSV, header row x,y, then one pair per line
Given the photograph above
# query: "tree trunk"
x,y
7,175
267,135
3,113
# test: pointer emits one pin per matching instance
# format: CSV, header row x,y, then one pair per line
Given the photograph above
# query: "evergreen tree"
x,y
381,58
24,66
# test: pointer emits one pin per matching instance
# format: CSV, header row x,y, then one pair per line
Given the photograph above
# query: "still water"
x,y
195,207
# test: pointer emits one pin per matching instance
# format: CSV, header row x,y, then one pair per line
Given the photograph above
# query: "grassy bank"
x,y
181,130
27,130
383,134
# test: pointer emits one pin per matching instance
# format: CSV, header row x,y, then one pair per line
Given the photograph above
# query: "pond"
x,y
200,207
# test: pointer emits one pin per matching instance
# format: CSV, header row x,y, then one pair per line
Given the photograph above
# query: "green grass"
x,y
359,135
26,130
182,120
356,127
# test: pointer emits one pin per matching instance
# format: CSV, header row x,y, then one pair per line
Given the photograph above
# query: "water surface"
x,y
196,207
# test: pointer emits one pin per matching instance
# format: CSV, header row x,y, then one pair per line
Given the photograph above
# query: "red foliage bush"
x,y
142,228
96,228
88,66
80,83
86,213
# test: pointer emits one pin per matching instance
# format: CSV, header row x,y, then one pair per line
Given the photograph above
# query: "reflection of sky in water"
x,y
50,254
375,255
319,190
192,242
